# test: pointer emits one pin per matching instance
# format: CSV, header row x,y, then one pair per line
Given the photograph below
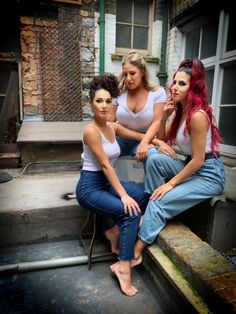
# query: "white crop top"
x,y
111,149
139,121
184,142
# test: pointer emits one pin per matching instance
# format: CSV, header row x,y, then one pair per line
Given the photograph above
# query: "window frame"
x,y
122,50
217,62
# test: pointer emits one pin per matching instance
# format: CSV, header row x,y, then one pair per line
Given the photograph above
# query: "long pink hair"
x,y
196,100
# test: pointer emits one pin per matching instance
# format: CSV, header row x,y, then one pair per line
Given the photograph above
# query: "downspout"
x,y
102,37
162,74
53,263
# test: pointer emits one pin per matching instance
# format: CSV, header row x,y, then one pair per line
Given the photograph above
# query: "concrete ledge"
x,y
32,208
51,132
48,224
207,271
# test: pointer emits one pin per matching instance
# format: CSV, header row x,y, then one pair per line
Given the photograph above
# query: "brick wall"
x,y
31,82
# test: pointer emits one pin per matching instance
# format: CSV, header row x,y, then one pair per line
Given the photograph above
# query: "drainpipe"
x,y
53,263
162,74
102,37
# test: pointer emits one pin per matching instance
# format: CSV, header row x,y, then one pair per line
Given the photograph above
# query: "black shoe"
x,y
5,177
69,196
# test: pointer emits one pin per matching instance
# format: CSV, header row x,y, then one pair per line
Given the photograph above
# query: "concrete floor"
x,y
76,289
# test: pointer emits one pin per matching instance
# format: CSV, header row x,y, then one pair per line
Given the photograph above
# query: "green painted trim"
x,y
102,37
162,75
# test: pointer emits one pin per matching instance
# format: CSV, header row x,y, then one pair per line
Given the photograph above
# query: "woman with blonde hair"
x,y
139,106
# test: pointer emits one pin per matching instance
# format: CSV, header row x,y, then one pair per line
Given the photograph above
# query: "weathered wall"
x,y
180,6
30,54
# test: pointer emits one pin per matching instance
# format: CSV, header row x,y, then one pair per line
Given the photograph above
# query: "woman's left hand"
x,y
166,149
131,207
159,192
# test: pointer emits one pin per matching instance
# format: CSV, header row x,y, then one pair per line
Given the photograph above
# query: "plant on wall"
x,y
10,132
13,127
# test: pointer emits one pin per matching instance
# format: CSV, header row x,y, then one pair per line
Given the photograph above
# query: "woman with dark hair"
x,y
99,189
176,185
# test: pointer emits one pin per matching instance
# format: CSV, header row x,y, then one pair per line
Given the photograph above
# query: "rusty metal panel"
x,y
60,68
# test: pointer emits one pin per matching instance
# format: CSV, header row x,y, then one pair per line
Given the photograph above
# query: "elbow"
x,y
199,163
105,167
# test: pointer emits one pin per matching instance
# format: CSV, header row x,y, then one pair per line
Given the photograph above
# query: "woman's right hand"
x,y
130,205
169,108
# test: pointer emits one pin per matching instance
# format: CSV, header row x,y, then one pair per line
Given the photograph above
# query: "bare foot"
x,y
112,267
113,236
124,279
137,260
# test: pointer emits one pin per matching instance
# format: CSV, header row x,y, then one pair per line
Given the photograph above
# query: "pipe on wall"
x,y
162,73
53,263
102,37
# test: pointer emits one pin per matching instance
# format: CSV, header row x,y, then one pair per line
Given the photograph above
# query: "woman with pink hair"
x,y
175,185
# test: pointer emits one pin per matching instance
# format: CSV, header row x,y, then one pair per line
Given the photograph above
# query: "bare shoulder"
x,y
199,120
114,126
90,130
158,87
199,115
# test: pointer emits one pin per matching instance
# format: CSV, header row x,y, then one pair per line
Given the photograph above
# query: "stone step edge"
x,y
208,272
40,225
175,277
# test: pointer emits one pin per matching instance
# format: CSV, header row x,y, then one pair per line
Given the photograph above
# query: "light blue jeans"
x,y
207,182
129,148
95,193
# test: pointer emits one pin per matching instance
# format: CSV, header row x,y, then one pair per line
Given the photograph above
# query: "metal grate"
x,y
60,68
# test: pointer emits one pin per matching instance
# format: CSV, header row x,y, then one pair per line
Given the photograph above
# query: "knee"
x,y
152,151
152,159
134,219
157,159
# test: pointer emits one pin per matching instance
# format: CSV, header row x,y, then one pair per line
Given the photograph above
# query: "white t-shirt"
x,y
111,149
139,121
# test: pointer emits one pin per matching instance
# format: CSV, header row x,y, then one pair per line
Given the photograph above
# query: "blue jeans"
x,y
207,182
95,193
129,148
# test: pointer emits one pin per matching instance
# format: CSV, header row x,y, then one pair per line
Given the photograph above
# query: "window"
x,y
213,41
227,123
133,25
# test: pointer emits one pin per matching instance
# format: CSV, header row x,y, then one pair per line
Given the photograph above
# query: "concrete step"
x,y
32,208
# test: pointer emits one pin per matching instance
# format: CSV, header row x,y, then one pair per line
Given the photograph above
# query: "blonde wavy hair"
x,y
137,60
